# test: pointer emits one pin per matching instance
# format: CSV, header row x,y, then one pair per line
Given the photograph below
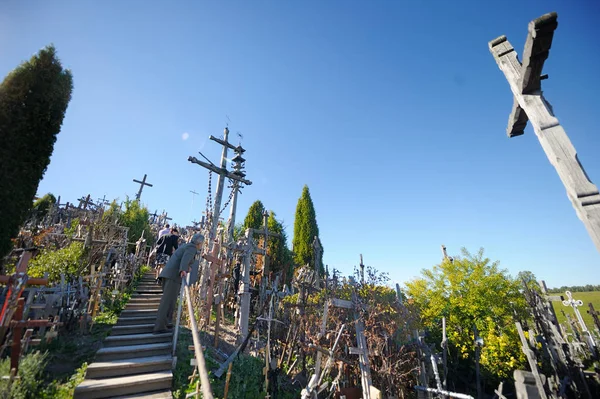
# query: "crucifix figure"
x,y
529,104
142,184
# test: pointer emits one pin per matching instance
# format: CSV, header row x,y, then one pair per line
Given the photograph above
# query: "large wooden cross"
x,y
530,105
223,173
142,184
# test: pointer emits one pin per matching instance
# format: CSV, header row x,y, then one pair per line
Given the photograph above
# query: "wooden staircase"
x,y
133,363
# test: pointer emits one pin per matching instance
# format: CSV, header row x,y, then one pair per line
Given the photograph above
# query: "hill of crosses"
x,y
107,299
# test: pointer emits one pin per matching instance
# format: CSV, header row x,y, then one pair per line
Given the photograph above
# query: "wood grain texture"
x,y
562,155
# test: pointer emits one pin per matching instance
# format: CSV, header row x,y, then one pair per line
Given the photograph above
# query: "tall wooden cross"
x,y
223,173
142,184
530,105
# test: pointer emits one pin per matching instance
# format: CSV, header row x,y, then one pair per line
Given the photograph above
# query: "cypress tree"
x,y
278,250
254,218
33,101
305,230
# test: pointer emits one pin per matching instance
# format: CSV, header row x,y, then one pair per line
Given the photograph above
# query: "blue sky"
x,y
394,114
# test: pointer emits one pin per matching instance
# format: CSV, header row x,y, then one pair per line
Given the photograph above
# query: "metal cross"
x,y
570,301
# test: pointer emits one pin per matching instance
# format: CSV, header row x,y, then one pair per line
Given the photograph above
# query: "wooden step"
x,y
137,339
150,395
149,290
133,351
144,300
132,329
121,368
142,305
138,313
127,321
148,297
133,384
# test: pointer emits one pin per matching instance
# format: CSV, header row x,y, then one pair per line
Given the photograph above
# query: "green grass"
x,y
586,297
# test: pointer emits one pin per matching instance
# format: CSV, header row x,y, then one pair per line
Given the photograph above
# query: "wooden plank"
x,y
537,49
341,303
584,195
355,351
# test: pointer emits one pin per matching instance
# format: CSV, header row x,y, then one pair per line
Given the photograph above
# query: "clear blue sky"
x,y
393,112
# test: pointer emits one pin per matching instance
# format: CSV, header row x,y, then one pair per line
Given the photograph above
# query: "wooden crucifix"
x,y
85,202
142,184
529,104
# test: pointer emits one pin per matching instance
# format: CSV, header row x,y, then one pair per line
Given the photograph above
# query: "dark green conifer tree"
x,y
33,101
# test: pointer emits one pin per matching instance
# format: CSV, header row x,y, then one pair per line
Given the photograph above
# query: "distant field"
x,y
586,297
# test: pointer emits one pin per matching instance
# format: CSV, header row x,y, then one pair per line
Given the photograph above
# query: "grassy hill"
x,y
586,297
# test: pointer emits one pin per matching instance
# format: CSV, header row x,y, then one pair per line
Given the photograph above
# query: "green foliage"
x,y
58,390
280,254
587,297
254,218
72,229
238,231
136,218
113,212
30,382
246,374
44,204
472,291
33,101
575,288
67,260
305,230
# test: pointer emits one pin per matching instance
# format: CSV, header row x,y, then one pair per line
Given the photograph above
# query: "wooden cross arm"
x,y
537,49
212,259
220,171
30,281
34,323
222,142
143,182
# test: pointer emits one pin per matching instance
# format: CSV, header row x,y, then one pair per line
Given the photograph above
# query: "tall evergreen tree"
x,y
254,218
305,230
280,255
33,101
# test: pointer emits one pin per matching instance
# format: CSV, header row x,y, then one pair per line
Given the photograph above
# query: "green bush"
x,y
44,204
30,381
67,260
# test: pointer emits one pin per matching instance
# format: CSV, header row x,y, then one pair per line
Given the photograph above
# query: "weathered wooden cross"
x,y
223,173
85,202
142,184
530,105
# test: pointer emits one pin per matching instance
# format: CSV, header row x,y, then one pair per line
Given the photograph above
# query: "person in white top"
x,y
164,231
